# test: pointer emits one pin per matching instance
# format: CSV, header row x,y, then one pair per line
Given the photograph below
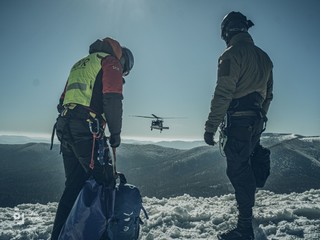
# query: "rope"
x,y
223,136
114,163
92,151
222,143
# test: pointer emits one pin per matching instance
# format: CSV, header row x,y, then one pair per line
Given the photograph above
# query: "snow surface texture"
x,y
277,216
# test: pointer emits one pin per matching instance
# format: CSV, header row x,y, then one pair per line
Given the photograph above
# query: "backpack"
x,y
125,223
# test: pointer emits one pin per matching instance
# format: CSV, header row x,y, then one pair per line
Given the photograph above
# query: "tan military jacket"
x,y
243,68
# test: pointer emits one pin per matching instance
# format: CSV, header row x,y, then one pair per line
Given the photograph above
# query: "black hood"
x,y
101,46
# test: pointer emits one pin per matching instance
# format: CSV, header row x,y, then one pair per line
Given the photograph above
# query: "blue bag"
x,y
90,214
125,223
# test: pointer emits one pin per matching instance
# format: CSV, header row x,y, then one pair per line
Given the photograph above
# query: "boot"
x,y
243,231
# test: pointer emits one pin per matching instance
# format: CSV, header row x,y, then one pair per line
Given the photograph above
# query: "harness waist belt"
x,y
243,113
78,110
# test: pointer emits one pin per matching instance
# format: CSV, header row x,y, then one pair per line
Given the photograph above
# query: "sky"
x,y
176,46
277,216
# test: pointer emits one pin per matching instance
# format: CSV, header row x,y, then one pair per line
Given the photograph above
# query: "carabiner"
x,y
94,129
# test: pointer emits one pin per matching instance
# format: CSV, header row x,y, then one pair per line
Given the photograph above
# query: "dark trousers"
x,y
243,135
76,147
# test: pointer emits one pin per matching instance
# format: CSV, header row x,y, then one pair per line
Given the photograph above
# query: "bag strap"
x,y
113,156
123,179
145,213
114,162
52,135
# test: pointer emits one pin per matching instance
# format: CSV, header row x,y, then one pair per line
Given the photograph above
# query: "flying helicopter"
x,y
157,123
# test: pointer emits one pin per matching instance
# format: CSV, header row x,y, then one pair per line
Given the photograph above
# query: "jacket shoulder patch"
x,y
224,67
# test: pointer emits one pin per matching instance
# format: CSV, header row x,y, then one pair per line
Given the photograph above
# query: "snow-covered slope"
x,y
277,216
190,185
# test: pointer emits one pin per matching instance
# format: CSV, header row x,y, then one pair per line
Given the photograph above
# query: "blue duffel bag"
x,y
90,213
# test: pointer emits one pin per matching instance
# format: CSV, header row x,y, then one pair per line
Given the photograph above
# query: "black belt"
x,y
78,111
249,113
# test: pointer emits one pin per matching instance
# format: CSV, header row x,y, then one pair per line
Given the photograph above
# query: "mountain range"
x,y
32,173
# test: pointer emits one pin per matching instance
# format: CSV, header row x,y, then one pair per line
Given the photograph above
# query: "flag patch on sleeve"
x,y
224,68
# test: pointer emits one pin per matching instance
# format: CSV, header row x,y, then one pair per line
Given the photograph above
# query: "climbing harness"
x,y
97,133
96,126
223,135
63,110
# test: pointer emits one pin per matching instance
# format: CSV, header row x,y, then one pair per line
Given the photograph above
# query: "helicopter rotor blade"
x,y
141,116
156,116
166,117
173,118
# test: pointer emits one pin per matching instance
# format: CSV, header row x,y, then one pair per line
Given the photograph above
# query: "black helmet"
x,y
126,61
234,23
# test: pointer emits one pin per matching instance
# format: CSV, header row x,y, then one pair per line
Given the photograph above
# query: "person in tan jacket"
x,y
240,103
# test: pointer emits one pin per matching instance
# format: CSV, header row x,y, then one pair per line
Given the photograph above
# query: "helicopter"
x,y
157,123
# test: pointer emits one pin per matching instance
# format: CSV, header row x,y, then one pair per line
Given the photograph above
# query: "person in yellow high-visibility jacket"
x,y
92,95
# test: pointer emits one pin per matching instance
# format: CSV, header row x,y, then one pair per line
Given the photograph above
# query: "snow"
x,y
280,137
311,139
277,217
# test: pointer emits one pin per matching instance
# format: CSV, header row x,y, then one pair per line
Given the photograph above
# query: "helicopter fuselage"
x,y
158,124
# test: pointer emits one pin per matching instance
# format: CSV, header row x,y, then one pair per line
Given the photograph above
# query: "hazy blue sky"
x,y
176,44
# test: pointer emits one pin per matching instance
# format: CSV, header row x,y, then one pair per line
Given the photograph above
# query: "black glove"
x,y
115,140
208,138
60,108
